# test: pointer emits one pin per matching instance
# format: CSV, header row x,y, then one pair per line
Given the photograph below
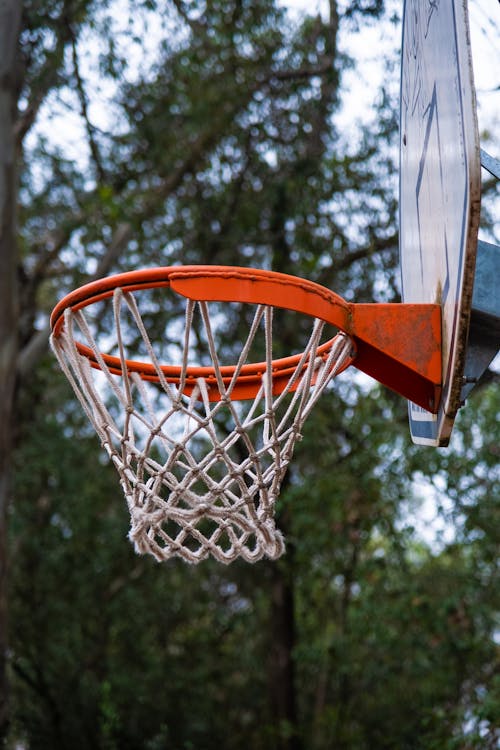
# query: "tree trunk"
x,y
281,664
10,15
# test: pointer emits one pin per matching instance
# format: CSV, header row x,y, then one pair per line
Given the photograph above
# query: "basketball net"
x,y
201,476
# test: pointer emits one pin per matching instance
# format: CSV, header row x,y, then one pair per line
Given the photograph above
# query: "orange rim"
x,y
221,284
397,344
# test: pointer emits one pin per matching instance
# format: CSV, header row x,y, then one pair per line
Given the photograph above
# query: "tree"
x,y
221,149
9,310
133,183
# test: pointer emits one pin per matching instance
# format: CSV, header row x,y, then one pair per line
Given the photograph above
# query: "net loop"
x,y
201,474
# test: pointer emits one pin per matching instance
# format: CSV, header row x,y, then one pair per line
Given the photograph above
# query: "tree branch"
x,y
195,25
376,246
42,85
119,241
57,241
37,344
298,73
82,96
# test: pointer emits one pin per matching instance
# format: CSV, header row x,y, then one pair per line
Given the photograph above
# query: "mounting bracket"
x,y
484,331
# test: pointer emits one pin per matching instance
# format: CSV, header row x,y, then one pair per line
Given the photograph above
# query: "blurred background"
x,y
265,134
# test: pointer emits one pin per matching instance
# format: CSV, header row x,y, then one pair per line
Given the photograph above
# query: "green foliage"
x,y
112,650
221,147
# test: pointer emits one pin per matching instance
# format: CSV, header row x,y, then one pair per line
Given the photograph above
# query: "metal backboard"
x,y
440,188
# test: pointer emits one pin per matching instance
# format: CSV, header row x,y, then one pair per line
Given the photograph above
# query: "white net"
x,y
201,477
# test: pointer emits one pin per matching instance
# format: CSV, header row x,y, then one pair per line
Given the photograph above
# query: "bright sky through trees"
x,y
375,55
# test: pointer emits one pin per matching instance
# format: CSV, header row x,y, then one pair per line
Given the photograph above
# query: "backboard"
x,y
440,188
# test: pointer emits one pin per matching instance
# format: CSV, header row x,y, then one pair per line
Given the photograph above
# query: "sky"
x,y
373,49
374,45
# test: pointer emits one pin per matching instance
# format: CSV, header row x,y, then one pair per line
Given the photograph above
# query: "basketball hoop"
x,y
201,471
202,451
